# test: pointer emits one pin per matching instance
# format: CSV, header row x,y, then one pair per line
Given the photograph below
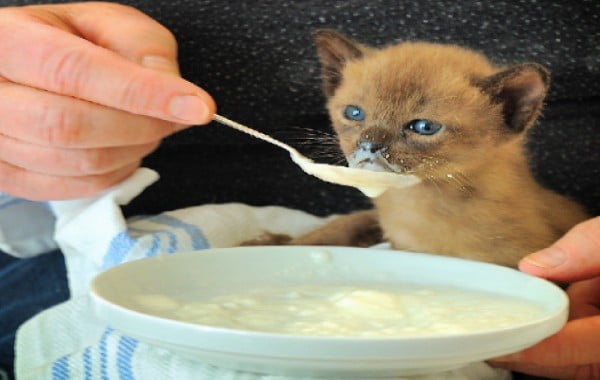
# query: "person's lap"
x,y
27,286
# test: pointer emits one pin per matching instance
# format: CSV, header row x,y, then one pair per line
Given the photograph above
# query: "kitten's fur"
x,y
478,198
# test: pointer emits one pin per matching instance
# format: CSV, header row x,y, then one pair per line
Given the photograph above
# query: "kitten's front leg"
x,y
359,229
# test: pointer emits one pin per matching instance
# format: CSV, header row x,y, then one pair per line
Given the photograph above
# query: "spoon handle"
x,y
254,133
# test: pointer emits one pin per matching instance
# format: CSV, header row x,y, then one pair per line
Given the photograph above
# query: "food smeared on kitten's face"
x,y
414,108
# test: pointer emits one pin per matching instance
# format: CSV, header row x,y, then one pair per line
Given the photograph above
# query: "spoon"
x,y
371,183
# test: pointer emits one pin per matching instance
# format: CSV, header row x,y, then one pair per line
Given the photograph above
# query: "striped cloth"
x,y
68,342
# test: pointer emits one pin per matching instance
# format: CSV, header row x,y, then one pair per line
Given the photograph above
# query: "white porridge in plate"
x,y
349,311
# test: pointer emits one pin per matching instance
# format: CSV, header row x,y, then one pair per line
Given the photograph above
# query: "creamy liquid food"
x,y
349,311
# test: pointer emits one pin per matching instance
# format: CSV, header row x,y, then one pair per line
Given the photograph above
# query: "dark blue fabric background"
x,y
27,286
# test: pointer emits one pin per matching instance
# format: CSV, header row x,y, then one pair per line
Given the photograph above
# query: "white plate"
x,y
219,271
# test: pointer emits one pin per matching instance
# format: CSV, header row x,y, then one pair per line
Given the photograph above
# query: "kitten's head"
x,y
423,108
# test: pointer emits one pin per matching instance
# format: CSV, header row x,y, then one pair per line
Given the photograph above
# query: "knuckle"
x,y
93,161
57,126
135,93
64,69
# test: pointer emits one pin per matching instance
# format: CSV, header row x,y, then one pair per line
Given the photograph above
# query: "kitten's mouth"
x,y
376,163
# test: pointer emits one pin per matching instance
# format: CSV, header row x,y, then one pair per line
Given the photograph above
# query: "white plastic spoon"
x,y
371,183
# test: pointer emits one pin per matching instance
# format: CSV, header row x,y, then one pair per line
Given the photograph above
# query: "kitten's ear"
x,y
521,90
334,50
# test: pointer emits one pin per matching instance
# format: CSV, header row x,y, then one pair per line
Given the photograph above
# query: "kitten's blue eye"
x,y
354,113
424,127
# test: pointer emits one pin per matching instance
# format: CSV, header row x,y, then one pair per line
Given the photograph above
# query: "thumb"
x,y
574,257
126,31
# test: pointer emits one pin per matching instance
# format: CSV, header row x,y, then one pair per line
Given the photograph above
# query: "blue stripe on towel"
x,y
153,250
118,249
87,363
156,240
60,369
172,241
127,346
156,237
195,234
123,243
104,353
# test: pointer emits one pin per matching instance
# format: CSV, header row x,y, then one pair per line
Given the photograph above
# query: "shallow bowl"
x,y
202,274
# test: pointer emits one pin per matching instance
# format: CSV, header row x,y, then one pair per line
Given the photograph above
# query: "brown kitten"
x,y
447,115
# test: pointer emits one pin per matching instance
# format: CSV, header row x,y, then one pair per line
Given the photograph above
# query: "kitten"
x,y
450,117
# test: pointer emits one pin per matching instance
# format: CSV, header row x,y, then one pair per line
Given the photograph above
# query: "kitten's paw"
x,y
268,238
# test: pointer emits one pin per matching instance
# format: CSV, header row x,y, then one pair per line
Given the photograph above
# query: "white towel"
x,y
67,342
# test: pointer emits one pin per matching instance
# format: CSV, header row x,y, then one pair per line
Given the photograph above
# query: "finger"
x,y
148,42
41,187
584,298
576,344
48,119
70,65
70,162
573,257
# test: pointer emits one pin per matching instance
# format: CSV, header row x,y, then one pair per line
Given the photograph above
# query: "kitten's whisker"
x,y
433,180
341,161
315,141
463,182
304,131
332,158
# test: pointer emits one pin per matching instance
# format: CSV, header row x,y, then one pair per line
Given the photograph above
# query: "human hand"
x,y
86,91
574,352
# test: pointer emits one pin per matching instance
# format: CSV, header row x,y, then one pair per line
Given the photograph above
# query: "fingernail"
x,y
188,108
156,62
547,258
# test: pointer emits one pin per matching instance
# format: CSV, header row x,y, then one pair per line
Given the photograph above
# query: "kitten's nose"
x,y
370,146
